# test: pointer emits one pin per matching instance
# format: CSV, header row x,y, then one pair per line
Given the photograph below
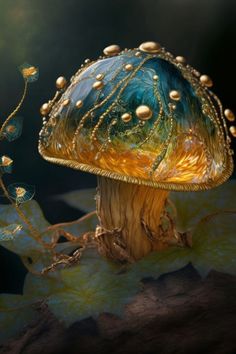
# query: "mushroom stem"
x,y
130,218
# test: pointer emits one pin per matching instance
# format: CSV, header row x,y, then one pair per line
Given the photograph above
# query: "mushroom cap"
x,y
141,118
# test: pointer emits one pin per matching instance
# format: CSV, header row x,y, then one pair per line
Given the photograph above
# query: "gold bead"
x,y
61,82
206,80
155,77
232,130
229,115
172,106
66,102
129,67
45,109
79,104
98,85
99,77
111,50
126,117
180,59
87,61
175,95
137,54
150,47
196,73
143,112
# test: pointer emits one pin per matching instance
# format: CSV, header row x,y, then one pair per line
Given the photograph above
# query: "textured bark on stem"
x,y
130,217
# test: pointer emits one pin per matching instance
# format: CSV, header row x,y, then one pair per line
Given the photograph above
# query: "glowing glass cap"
x,y
140,116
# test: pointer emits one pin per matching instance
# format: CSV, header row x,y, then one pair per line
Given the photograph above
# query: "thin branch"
x,y
60,225
16,109
208,217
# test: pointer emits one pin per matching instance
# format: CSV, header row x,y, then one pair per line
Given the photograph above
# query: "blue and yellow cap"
x,y
140,116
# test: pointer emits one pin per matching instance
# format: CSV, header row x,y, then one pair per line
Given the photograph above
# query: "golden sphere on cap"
x,y
129,67
98,85
232,130
143,112
150,47
206,80
229,115
175,95
99,77
66,102
180,59
61,82
126,117
45,109
172,106
79,104
111,50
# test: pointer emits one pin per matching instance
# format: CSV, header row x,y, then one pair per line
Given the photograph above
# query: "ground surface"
x,y
178,313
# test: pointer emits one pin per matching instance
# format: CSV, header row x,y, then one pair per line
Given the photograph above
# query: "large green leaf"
x,y
92,287
214,244
193,206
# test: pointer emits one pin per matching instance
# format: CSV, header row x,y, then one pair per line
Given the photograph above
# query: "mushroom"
x,y
146,124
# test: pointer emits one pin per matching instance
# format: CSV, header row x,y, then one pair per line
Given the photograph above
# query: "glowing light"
x,y
21,192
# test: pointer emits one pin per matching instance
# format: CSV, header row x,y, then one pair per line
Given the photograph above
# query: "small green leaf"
x,y
23,244
83,199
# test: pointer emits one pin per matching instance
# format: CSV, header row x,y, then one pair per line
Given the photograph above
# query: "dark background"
x,y
57,35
